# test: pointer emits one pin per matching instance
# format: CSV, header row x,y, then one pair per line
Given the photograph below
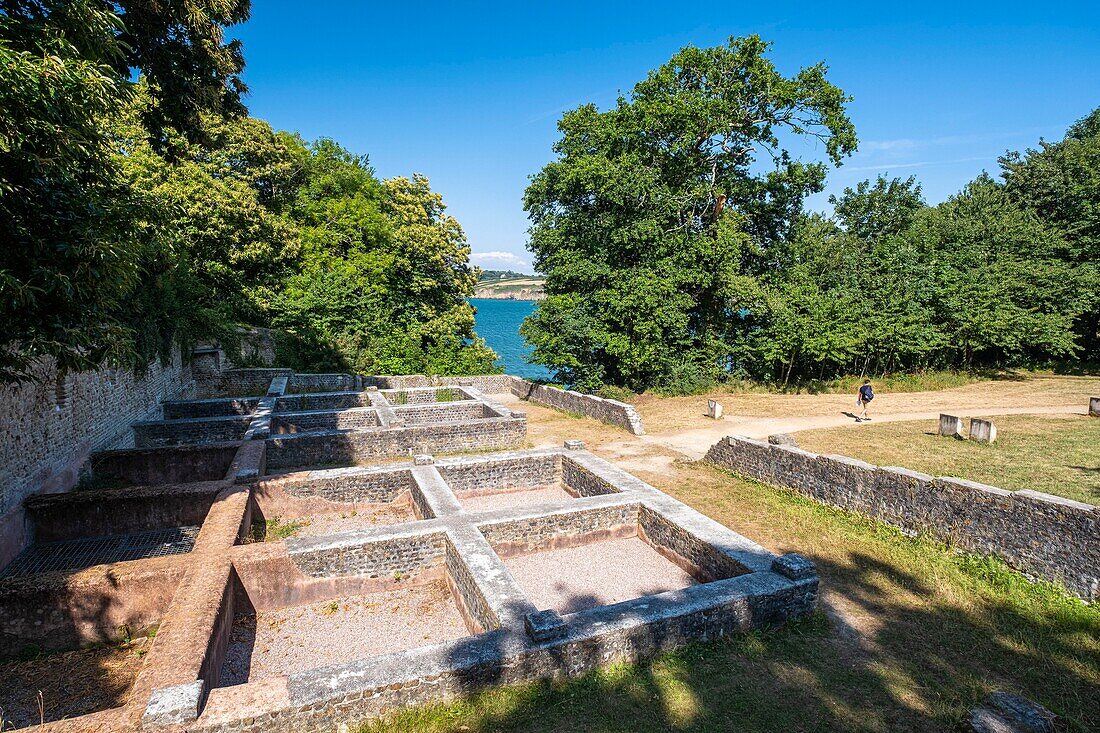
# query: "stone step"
x,y
1004,712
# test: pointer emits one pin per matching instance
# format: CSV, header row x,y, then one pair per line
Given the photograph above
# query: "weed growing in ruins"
x,y
330,608
449,394
274,529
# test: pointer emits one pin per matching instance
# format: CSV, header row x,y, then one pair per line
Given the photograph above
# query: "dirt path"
x,y
695,443
679,424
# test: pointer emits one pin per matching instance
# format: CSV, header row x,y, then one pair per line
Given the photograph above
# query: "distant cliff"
x,y
511,288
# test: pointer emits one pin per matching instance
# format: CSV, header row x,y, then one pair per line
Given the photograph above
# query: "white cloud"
x,y
498,258
918,164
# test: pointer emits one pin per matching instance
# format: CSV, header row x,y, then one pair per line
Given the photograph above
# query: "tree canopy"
x,y
149,212
655,213
677,250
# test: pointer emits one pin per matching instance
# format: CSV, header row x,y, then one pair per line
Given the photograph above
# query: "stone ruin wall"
x,y
52,424
612,412
1044,536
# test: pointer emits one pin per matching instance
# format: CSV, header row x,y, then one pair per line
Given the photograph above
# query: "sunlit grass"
x,y
1055,454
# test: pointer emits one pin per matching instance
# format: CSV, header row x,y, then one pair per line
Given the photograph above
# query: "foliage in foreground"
x,y
677,253
137,215
78,280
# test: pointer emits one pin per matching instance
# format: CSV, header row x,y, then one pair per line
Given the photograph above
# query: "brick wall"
x,y
321,401
191,431
304,383
52,425
533,534
403,556
299,422
182,409
1044,536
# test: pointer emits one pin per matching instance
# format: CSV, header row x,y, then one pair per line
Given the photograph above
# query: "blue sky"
x,y
469,93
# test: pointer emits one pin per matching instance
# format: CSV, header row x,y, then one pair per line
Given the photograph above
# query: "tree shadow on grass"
x,y
889,655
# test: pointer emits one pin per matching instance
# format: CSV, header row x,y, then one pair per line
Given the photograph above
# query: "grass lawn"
x,y
1056,454
911,635
672,414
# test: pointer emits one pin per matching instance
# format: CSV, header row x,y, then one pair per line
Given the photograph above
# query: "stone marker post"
x,y
714,409
982,431
1094,406
952,427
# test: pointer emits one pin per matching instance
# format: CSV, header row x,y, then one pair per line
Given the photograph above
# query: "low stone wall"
x,y
487,383
78,514
238,382
1041,535
334,697
176,465
335,449
349,419
368,485
582,482
218,407
698,558
501,475
321,401
400,556
612,412
190,431
441,412
305,383
561,528
60,611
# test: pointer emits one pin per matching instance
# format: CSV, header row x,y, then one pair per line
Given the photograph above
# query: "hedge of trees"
x,y
678,253
140,214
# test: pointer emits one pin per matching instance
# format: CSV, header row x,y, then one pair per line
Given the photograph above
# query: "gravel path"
x,y
342,630
509,499
576,578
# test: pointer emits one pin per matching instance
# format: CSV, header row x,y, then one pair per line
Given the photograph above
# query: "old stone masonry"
x,y
314,551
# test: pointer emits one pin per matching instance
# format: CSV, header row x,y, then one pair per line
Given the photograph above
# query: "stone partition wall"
x,y
612,412
360,446
76,514
62,611
307,383
190,431
51,426
237,382
218,407
175,465
376,485
487,383
1043,536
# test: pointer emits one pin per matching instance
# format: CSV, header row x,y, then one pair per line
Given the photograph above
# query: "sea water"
x,y
497,321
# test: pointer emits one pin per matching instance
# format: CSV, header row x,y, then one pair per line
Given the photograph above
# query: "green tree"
x,y
1060,182
383,278
78,257
886,207
657,214
179,47
68,259
1002,291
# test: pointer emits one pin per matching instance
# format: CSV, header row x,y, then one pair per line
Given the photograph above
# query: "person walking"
x,y
866,394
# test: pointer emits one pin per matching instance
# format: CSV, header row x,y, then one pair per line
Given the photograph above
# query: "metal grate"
x,y
79,554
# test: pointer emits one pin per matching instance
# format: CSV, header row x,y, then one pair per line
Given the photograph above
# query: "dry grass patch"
x,y
670,414
1056,454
